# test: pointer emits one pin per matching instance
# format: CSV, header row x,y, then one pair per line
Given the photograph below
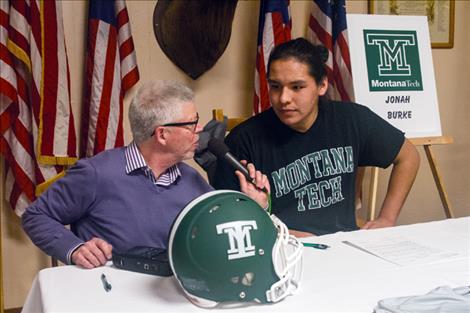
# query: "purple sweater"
x,y
98,199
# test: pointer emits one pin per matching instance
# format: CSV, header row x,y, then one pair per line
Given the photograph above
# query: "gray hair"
x,y
157,103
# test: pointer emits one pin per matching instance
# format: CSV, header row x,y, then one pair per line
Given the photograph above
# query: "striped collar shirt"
x,y
135,160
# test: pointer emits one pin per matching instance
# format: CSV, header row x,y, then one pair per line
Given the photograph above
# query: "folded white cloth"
x,y
440,300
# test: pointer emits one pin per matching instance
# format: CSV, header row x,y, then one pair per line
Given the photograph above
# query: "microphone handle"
x,y
238,166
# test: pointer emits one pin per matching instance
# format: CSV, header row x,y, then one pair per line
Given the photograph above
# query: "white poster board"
x,y
392,71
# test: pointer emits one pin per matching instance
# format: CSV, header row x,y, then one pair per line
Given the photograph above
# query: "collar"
x,y
135,160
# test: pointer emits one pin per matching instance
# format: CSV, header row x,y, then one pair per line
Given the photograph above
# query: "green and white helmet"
x,y
224,247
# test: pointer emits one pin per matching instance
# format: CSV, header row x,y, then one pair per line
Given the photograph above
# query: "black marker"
x,y
106,285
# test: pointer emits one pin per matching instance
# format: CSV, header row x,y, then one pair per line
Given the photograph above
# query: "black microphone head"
x,y
217,147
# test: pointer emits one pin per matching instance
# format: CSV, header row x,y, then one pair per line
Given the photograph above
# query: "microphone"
x,y
221,151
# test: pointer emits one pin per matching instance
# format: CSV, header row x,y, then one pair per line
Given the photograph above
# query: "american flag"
x,y
37,132
327,26
111,69
274,27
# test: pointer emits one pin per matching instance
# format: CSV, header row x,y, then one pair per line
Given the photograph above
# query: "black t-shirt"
x,y
312,174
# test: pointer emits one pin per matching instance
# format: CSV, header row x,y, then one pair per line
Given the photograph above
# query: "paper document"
x,y
401,251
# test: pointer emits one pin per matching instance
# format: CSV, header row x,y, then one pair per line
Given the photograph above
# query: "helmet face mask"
x,y
224,247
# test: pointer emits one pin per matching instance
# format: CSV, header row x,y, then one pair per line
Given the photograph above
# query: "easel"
x,y
426,142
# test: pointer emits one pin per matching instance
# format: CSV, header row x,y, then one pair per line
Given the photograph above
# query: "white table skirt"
x,y
339,279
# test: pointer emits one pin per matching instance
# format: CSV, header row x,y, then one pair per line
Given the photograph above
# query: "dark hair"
x,y
314,56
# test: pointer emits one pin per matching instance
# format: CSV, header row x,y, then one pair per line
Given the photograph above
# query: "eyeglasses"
x,y
193,124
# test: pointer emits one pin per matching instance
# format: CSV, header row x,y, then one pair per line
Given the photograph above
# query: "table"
x,y
339,279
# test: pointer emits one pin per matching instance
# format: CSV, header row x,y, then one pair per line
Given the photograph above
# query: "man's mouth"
x,y
287,111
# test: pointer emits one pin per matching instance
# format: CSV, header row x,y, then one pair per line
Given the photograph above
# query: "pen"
x,y
315,245
106,285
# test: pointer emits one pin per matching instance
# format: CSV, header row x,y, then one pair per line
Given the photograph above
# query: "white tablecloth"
x,y
339,279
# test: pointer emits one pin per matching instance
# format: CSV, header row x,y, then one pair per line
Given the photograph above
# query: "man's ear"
x,y
160,135
323,87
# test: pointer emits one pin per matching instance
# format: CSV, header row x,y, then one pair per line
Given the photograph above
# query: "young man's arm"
x,y
405,167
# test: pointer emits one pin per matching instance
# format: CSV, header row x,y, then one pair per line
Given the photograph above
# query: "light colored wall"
x,y
452,75
229,85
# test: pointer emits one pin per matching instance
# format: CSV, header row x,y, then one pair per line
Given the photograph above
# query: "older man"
x,y
128,196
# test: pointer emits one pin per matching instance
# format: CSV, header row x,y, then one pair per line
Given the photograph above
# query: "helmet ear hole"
x,y
248,279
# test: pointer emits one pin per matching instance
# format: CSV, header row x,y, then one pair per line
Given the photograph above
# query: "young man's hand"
x,y
255,191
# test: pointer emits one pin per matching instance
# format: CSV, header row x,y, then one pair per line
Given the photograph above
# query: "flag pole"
x,y
2,201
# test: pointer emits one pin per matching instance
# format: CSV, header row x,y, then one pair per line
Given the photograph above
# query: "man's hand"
x,y
380,222
92,253
254,191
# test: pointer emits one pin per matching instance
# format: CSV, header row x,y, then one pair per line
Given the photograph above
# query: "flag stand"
x,y
426,142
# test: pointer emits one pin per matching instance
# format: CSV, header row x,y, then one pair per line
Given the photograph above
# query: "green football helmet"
x,y
224,247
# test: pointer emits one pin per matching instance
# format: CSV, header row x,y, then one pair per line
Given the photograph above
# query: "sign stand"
x,y
391,62
426,142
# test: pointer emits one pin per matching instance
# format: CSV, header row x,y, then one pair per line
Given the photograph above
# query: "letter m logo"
x,y
392,60
239,238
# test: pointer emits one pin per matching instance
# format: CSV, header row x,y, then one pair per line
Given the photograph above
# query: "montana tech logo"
x,y
392,60
239,238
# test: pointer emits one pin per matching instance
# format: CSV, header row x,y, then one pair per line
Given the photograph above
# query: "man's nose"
x,y
199,128
285,96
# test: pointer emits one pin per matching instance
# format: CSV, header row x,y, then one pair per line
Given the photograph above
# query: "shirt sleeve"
x,y
381,140
64,203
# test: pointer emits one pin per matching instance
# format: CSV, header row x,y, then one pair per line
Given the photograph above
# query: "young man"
x,y
311,147
128,196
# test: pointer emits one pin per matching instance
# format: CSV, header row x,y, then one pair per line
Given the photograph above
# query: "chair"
x,y
218,115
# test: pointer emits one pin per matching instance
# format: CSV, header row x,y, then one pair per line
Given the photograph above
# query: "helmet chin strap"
x,y
288,266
